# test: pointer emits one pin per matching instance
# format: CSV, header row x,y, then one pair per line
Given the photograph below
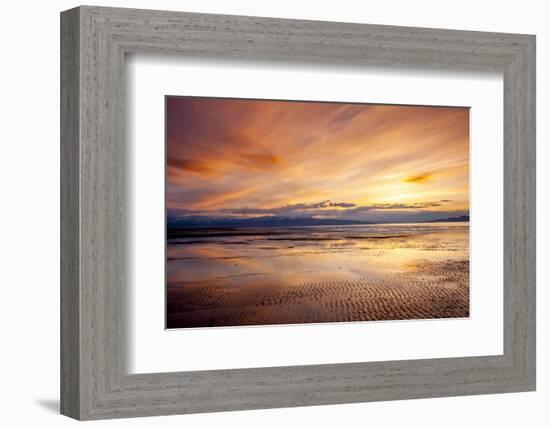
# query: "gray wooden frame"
x,y
94,382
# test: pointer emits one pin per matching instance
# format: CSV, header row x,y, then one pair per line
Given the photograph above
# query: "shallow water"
x,y
244,276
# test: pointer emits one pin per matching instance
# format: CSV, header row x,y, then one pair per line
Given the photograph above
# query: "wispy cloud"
x,y
247,157
321,209
297,208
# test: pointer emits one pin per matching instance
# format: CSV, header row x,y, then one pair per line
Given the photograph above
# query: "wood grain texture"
x,y
94,382
70,333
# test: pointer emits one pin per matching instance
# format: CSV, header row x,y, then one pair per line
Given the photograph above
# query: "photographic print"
x,y
292,212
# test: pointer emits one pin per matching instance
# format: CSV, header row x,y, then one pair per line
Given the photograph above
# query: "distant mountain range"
x,y
273,221
263,221
462,218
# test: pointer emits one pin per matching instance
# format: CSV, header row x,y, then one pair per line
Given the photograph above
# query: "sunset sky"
x,y
246,158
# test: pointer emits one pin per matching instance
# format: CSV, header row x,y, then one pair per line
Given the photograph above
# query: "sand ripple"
x,y
424,290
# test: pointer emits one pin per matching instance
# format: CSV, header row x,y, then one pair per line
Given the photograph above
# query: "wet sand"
x,y
234,277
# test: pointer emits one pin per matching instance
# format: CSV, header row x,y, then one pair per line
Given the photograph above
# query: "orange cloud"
x,y
189,165
260,161
420,178
221,199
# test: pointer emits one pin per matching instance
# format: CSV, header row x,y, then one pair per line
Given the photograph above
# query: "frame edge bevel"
x,y
70,404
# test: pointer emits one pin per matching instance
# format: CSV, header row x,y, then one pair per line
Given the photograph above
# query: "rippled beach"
x,y
260,276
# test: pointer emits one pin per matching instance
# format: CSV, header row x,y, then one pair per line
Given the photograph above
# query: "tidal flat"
x,y
317,274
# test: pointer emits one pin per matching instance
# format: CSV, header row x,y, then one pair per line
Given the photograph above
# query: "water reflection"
x,y
246,276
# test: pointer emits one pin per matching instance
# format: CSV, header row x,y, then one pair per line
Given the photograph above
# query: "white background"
x,y
29,173
152,349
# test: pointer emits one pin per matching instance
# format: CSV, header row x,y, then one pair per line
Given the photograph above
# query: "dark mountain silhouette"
x,y
263,221
173,222
462,218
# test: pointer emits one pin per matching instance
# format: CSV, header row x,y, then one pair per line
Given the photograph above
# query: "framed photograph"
x,y
285,212
262,213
